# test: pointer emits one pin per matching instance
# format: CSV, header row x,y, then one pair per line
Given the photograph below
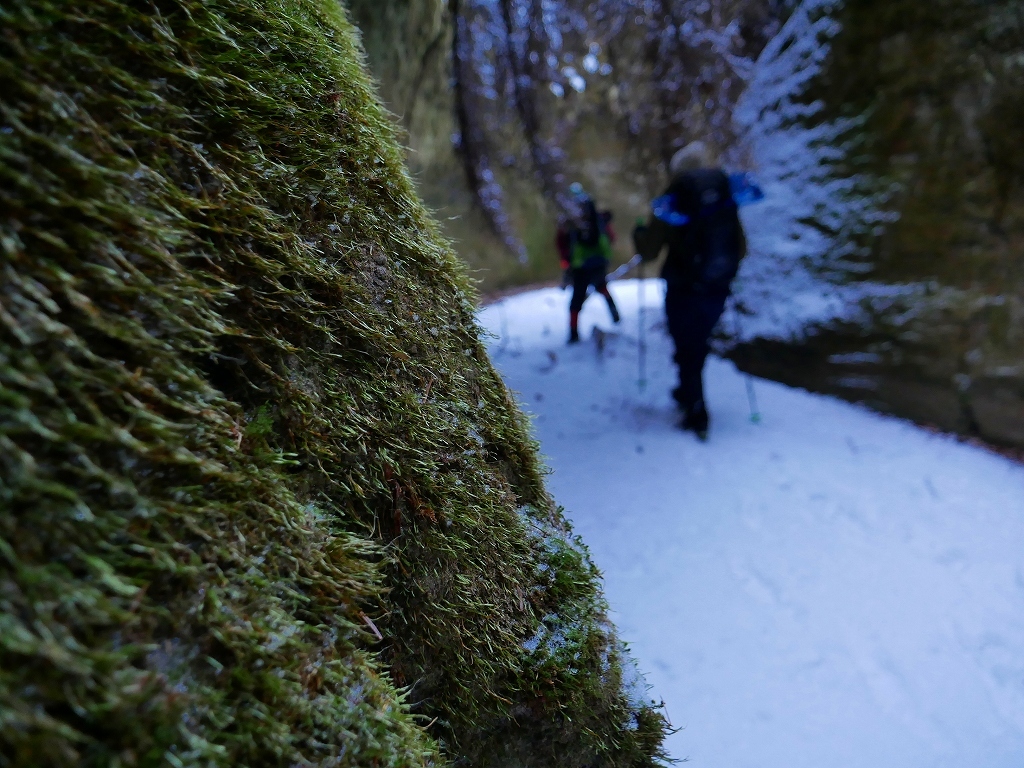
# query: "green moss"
x,y
938,85
247,423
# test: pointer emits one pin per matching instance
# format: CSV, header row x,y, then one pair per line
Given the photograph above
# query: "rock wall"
x,y
937,89
631,83
264,500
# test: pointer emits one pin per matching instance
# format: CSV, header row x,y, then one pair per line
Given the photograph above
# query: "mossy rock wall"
x,y
263,501
939,90
408,47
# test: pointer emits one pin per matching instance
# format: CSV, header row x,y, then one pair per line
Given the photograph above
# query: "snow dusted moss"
x,y
259,479
575,647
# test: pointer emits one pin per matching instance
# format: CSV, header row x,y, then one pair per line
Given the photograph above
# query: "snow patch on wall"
x,y
803,238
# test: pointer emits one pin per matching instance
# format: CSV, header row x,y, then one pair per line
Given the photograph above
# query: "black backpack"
x,y
707,237
590,228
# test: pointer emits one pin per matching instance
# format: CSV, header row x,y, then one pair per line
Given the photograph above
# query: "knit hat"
x,y
692,157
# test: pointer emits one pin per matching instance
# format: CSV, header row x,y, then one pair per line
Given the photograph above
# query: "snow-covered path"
x,y
828,588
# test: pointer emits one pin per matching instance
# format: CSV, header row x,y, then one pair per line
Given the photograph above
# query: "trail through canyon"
x,y
828,587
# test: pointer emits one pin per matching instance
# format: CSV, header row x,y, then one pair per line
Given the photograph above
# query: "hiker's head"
x,y
580,203
692,157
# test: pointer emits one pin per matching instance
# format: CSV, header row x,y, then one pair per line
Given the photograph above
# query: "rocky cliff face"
x,y
409,52
597,93
264,501
938,91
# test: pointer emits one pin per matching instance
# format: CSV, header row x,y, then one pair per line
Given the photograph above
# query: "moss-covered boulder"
x,y
263,499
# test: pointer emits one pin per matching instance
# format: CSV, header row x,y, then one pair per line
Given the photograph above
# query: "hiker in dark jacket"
x,y
584,245
696,220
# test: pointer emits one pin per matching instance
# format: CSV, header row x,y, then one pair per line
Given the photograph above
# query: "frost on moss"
x,y
574,651
247,425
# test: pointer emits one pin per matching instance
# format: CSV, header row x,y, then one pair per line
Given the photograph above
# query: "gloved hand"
x,y
641,238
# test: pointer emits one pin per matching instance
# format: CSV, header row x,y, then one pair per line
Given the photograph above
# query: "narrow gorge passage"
x,y
828,587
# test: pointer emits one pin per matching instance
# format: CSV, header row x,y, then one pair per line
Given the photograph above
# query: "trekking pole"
x,y
641,333
623,269
755,413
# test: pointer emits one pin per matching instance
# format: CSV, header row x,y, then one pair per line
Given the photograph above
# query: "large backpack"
x,y
707,238
589,238
589,229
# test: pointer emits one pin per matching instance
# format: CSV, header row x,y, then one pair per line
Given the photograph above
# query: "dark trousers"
x,y
591,273
691,318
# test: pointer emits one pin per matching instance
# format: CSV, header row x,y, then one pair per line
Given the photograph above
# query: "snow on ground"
x,y
829,587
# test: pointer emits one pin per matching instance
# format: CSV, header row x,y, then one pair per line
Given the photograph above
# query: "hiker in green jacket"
x,y
585,248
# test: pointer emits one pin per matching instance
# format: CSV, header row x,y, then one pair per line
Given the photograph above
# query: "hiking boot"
x,y
574,336
695,420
